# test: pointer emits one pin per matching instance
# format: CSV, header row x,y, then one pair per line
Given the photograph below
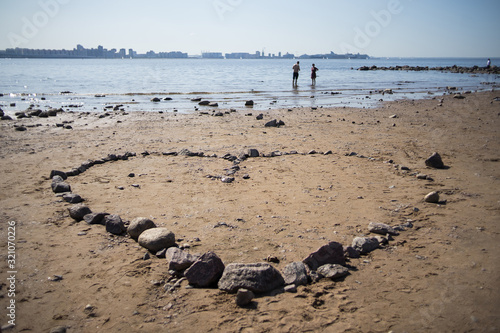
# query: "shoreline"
x,y
440,274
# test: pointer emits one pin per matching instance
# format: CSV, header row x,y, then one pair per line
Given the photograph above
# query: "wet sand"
x,y
441,275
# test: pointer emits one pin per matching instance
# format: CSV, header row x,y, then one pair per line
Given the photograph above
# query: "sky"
x,y
379,28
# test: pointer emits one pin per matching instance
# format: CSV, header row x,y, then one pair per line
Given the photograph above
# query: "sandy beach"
x,y
328,174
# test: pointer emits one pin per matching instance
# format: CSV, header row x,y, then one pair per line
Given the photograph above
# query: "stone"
x,y
138,225
435,161
206,271
95,218
260,116
295,273
61,174
227,180
432,197
58,329
249,103
178,259
77,212
156,239
253,152
382,229
257,277
72,198
60,187
332,253
274,123
114,224
244,297
155,100
365,244
350,252
204,103
333,271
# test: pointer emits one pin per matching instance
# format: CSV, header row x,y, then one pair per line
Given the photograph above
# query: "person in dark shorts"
x,y
296,70
314,69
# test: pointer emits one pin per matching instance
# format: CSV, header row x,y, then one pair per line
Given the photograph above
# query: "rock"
x,y
274,123
155,239
432,197
244,297
382,229
249,103
258,277
138,226
227,180
20,128
365,244
204,103
114,224
205,271
332,253
178,259
350,252
61,174
155,100
77,212
6,117
72,198
58,329
296,274
333,271
253,153
260,116
60,186
214,105
290,288
435,161
95,218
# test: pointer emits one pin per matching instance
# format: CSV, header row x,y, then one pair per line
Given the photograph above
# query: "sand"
x,y
442,275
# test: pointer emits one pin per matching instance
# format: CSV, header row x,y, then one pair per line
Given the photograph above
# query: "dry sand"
x,y
443,275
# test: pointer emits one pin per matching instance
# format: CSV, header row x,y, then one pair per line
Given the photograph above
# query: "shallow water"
x,y
268,82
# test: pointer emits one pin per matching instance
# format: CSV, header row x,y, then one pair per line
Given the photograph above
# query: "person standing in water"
x,y
314,69
296,70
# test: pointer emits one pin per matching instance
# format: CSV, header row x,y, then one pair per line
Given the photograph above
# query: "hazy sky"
x,y
392,28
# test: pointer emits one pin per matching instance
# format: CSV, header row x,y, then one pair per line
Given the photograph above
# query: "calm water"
x,y
228,82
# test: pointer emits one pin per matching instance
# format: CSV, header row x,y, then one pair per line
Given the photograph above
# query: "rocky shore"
x,y
302,219
452,69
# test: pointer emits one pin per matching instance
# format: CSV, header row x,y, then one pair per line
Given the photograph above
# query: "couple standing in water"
x,y
296,70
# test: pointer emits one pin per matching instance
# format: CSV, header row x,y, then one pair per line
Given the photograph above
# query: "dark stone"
x,y
62,174
77,212
244,297
253,153
60,187
20,128
435,161
249,103
95,218
114,224
204,103
332,253
258,277
295,273
260,117
206,271
155,100
72,198
178,259
350,252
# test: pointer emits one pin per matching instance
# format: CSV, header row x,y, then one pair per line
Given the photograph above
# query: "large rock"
x,y
295,273
332,253
178,259
205,271
382,229
332,271
258,277
253,152
435,161
72,198
138,226
365,244
59,185
114,224
95,218
77,212
156,239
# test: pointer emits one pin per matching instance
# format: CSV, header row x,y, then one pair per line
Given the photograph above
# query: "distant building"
x,y
212,55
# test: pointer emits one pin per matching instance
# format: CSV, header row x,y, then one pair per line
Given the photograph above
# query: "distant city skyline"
x,y
101,52
380,28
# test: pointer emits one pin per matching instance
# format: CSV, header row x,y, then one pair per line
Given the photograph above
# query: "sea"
x,y
92,85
